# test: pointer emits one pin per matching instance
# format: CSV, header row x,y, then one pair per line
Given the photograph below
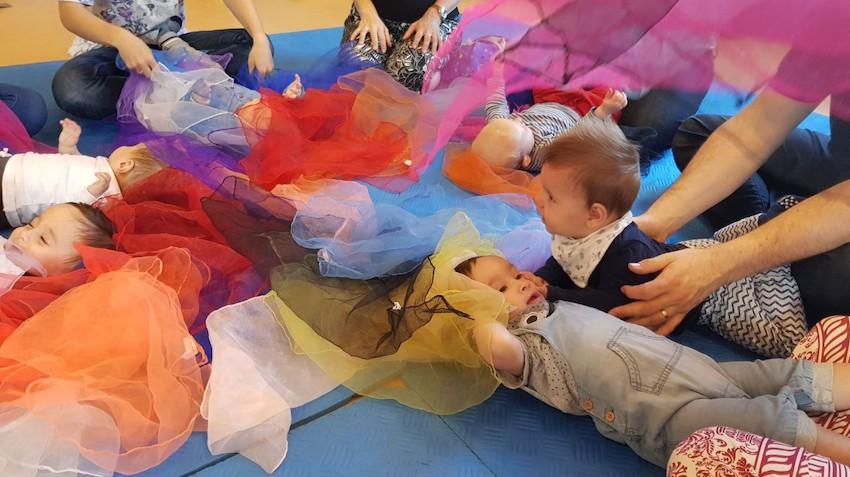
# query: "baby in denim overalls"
x,y
649,392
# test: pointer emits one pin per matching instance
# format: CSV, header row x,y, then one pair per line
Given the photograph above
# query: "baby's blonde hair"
x,y
145,165
498,143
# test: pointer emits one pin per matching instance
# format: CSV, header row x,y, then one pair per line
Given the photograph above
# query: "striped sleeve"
x,y
497,103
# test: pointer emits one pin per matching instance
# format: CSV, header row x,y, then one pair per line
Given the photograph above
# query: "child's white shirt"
x,y
33,182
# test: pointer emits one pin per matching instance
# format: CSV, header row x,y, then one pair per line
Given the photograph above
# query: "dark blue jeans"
x,y
88,85
27,104
807,163
662,110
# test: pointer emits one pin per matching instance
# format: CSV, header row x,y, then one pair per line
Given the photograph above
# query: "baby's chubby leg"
x,y
811,383
827,383
774,416
829,443
780,391
832,445
841,385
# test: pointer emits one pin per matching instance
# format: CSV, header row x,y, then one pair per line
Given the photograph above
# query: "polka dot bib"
x,y
579,257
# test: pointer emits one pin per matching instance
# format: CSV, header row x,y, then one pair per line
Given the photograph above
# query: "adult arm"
x,y
816,225
79,20
730,155
260,59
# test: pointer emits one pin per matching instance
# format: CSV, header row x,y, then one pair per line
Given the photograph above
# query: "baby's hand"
x,y
295,89
98,187
542,285
614,102
69,137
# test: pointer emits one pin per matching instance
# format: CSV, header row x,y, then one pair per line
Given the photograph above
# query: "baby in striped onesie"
x,y
516,140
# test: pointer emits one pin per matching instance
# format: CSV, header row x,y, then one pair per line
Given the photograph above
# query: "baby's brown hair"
x,y
606,165
97,230
465,267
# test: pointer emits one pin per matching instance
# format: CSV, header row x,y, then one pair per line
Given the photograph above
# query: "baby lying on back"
x,y
517,140
32,182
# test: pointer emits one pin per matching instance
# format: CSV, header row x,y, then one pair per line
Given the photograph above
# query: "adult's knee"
x,y
81,96
822,280
691,135
407,65
27,105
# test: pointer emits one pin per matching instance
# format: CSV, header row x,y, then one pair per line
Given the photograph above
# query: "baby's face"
x,y
563,205
501,275
50,238
504,143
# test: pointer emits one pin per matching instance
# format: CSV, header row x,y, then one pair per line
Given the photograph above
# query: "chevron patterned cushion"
x,y
727,452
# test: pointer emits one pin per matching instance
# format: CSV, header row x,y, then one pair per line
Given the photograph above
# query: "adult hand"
x,y
426,31
260,58
687,278
651,226
136,54
372,26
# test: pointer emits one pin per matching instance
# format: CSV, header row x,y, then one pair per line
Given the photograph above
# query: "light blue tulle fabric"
x,y
393,233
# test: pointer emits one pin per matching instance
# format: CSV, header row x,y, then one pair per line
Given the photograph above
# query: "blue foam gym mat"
x,y
510,434
194,454
369,438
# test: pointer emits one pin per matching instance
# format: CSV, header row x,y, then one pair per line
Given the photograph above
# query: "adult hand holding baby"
x,y
686,279
653,227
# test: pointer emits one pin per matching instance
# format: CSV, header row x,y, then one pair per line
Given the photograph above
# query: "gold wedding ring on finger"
x,y
664,313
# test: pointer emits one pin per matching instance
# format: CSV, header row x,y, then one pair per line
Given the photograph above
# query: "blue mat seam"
x,y
468,447
295,425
